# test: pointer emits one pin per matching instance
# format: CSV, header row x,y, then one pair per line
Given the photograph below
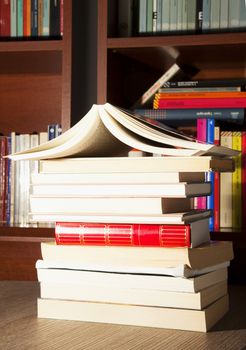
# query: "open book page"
x,y
107,131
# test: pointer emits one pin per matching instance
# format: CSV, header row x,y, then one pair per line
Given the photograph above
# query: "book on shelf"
x,y
217,102
149,316
50,272
207,254
110,131
239,83
237,182
89,233
166,190
126,295
178,116
116,178
168,218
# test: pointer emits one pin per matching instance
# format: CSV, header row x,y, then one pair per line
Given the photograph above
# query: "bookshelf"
x,y
129,65
90,60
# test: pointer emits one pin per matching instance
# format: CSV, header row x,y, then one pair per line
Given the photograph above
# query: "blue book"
x,y
210,174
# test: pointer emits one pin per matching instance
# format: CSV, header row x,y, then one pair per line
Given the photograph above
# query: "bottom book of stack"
x,y
190,296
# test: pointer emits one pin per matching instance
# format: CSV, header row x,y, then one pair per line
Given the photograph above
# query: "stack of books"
x,y
130,248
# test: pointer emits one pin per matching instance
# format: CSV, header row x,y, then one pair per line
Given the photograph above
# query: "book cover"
x,y
208,254
185,319
189,235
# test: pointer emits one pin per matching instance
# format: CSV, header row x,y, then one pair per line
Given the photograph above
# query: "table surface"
x,y
20,328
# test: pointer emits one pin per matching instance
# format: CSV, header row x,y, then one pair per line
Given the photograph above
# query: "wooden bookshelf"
x,y
127,66
89,64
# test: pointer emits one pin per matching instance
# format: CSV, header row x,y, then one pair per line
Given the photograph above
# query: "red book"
x,y
201,103
5,18
130,234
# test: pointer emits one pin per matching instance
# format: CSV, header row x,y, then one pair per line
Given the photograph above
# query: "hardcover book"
x,y
186,235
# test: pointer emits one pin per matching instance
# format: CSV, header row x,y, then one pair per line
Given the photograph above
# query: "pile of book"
x,y
130,248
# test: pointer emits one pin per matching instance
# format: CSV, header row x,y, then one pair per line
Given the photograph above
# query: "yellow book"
x,y
237,182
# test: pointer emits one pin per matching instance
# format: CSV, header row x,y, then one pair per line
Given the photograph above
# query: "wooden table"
x,y
21,330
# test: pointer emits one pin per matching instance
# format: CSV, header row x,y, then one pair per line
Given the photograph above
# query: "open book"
x,y
107,131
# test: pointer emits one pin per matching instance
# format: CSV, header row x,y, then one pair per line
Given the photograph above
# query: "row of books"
x,y
31,18
180,16
129,248
16,177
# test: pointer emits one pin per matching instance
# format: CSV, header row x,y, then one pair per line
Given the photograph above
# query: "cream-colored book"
x,y
135,315
124,295
208,254
110,131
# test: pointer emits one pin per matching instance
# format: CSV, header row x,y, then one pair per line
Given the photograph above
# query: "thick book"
x,y
187,235
109,131
136,164
71,205
126,295
168,218
166,190
135,315
208,254
137,281
116,178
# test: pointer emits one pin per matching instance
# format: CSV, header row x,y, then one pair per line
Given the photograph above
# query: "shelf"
x,y
31,45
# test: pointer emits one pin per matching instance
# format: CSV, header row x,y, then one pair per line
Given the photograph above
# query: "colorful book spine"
x,y
123,234
216,184
236,102
226,186
234,115
19,18
201,202
5,18
244,178
237,182
210,174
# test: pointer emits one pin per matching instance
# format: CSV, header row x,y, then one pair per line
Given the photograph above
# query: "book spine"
x,y
244,178
13,18
201,103
5,18
159,11
123,234
149,16
206,15
46,18
226,186
223,114
34,18
210,174
204,83
184,20
191,15
200,94
173,15
51,131
154,16
199,15
61,17
142,23
165,16
216,184
242,14
215,14
234,11
224,7
201,202
19,18
237,182
55,18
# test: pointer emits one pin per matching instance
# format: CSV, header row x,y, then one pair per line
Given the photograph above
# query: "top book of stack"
x,y
106,132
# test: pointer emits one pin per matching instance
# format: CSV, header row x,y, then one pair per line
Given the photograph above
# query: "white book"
x,y
207,254
182,270
170,218
148,316
109,131
72,205
127,280
126,295
116,178
168,190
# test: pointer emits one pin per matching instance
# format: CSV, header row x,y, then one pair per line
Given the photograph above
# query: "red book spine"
x,y
5,18
201,103
123,234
